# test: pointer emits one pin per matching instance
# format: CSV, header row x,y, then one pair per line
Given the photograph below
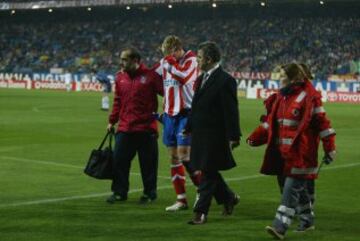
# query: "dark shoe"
x,y
199,218
144,199
273,232
115,198
229,207
303,227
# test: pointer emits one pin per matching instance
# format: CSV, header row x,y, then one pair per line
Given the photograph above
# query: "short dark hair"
x,y
134,53
211,51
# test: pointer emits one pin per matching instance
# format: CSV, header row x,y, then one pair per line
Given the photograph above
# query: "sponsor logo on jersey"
x,y
170,82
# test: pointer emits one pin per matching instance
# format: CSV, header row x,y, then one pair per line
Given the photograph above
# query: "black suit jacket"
x,y
214,121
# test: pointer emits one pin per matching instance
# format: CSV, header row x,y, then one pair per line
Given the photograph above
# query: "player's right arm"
x,y
180,72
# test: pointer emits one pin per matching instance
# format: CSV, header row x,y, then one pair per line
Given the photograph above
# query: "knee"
x,y
174,159
184,155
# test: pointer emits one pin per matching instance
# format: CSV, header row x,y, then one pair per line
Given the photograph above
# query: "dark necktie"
x,y
205,78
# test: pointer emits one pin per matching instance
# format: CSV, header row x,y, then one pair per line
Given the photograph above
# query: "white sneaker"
x,y
177,206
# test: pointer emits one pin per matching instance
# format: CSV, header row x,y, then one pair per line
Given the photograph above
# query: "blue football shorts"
x,y
173,127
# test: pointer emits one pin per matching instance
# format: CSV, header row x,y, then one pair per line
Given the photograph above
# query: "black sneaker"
x,y
144,199
229,206
116,198
198,219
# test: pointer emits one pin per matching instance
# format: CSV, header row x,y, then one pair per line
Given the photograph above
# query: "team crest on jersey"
x,y
142,79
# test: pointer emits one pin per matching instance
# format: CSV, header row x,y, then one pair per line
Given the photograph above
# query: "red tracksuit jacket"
x,y
292,128
135,100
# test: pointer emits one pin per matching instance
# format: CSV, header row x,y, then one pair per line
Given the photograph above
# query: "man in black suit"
x,y
215,131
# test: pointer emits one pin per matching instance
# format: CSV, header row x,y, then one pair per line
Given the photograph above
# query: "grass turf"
x,y
45,140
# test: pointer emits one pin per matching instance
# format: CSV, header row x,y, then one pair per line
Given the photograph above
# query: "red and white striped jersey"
x,y
179,78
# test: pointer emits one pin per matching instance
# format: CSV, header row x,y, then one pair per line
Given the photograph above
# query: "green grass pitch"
x,y
46,138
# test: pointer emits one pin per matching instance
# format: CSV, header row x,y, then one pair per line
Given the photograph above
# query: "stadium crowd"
x,y
330,45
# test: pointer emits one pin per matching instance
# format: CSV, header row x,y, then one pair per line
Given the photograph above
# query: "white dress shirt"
x,y
208,73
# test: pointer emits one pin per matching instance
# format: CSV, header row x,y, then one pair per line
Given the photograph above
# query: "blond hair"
x,y
170,44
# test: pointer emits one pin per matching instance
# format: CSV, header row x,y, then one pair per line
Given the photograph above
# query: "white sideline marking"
x,y
9,148
60,164
54,200
343,166
230,179
41,162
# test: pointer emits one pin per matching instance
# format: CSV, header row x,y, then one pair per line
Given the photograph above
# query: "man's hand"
x,y
185,133
110,127
158,117
170,59
250,142
234,144
329,157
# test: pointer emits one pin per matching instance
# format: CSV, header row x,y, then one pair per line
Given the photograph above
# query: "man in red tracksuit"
x,y
135,101
292,129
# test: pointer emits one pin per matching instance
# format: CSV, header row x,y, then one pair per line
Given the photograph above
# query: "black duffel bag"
x,y
101,160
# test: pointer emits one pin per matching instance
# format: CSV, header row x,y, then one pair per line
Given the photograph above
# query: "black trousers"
x,y
126,147
212,184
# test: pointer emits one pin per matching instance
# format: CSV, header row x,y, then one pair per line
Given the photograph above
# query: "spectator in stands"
x,y
326,43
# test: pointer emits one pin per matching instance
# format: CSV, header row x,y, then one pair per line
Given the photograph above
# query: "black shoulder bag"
x,y
101,160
